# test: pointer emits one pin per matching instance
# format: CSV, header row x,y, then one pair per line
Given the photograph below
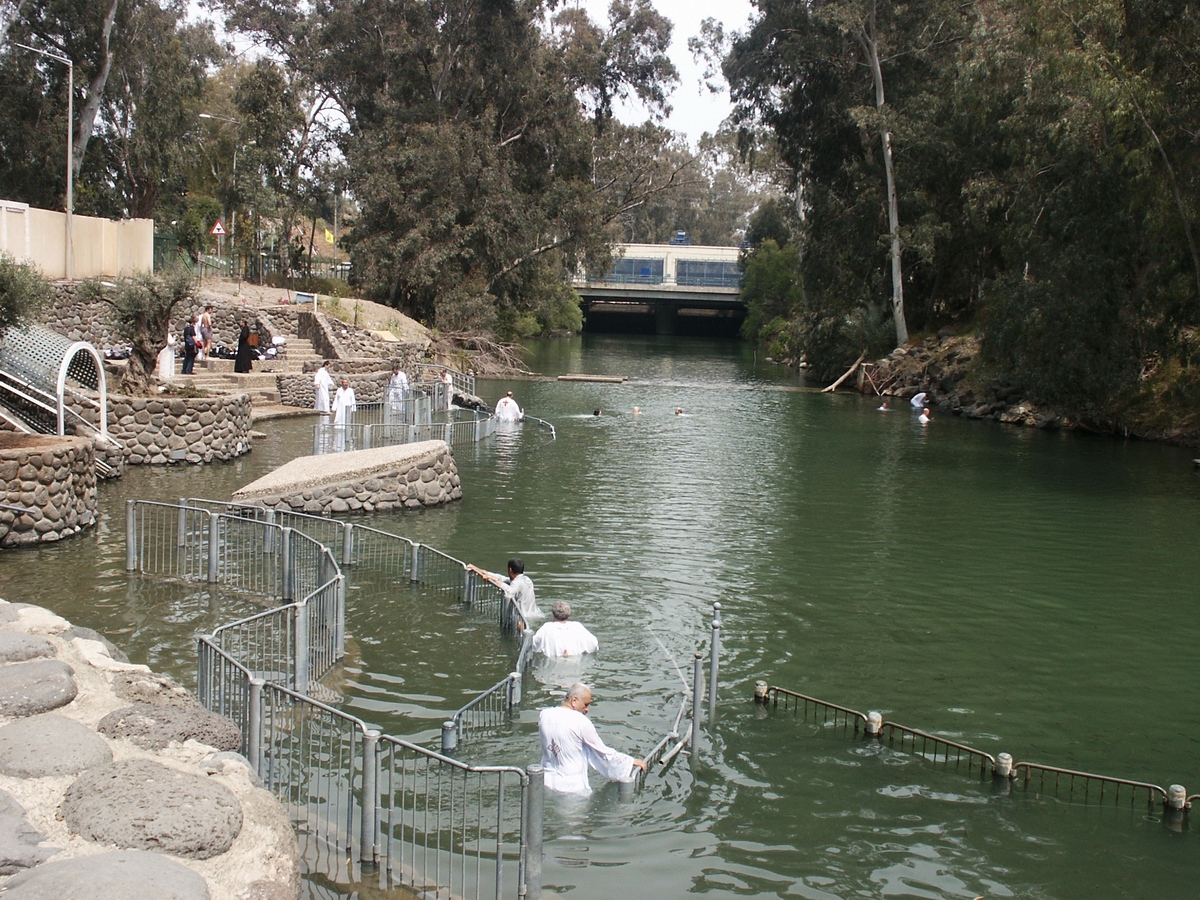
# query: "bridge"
x,y
666,289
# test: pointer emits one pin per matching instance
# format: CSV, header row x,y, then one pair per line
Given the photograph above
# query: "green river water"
x,y
1014,590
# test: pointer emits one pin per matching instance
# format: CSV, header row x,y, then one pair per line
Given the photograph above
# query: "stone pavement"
x,y
116,783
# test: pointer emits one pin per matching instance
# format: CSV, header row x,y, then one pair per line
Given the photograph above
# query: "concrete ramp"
x,y
407,476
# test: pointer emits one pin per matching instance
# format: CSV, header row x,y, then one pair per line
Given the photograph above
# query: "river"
x,y
1015,590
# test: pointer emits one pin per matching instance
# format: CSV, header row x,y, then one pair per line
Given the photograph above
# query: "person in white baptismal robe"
x,y
570,744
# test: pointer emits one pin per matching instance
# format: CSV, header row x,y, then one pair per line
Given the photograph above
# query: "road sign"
x,y
218,228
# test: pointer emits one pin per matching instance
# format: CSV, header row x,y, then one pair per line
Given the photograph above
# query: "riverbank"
x,y
949,370
116,782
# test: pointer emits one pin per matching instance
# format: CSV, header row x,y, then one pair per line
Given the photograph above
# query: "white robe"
x,y
398,390
918,400
508,411
448,381
568,638
570,744
166,359
322,385
343,405
520,591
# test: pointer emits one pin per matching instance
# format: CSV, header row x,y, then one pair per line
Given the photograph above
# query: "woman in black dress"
x,y
241,363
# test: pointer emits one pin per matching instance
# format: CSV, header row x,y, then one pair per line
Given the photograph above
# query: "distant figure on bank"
x,y
448,381
918,400
507,409
322,385
925,418
166,357
241,362
191,345
562,637
206,331
517,588
883,406
343,404
397,389
570,744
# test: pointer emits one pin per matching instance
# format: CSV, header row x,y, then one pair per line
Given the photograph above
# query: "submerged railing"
x,y
470,428
359,799
1070,784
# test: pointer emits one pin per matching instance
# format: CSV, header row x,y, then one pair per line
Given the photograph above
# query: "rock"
x,y
33,687
127,874
158,690
88,634
154,727
142,805
41,746
18,839
16,647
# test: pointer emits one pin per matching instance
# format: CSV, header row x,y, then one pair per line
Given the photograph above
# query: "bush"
x,y
23,290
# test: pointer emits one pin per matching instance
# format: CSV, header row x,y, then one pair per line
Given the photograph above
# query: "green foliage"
x,y
771,290
143,307
23,290
192,229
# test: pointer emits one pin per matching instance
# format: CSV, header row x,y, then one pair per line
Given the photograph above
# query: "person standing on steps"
x,y
191,345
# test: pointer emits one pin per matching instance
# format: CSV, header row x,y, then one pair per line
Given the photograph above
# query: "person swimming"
x,y
883,406
596,411
679,410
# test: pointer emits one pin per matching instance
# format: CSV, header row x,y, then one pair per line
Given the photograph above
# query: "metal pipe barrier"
x,y
1043,779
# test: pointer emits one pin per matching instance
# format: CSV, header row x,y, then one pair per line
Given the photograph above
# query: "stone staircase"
x,y
217,375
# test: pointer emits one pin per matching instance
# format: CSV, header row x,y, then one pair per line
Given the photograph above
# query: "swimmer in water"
x,y
925,418
596,411
883,406
679,410
637,410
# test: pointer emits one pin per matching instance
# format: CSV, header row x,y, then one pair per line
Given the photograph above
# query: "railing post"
x,y
131,553
285,563
697,699
714,663
414,572
367,851
255,725
468,588
449,736
204,662
214,547
269,533
340,636
317,439
181,535
514,690
366,438
301,649
535,811
347,543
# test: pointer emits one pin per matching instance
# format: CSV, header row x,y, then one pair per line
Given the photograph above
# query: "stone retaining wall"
x,y
54,479
160,430
115,782
297,390
426,481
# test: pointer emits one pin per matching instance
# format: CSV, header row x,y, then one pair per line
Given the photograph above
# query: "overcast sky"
x,y
695,110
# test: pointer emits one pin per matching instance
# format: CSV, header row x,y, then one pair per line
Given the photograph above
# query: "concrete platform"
x,y
408,476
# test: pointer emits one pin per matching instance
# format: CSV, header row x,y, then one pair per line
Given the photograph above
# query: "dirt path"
x,y
364,313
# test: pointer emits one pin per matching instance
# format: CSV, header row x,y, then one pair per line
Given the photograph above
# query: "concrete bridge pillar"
x,y
666,318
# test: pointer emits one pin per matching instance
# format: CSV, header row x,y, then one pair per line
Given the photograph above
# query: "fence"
x,y
359,799
1037,777
389,424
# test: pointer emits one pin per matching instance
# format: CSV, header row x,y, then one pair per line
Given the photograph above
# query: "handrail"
x,y
1030,768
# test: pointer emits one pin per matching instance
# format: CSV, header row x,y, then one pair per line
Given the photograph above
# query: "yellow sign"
x,y
328,236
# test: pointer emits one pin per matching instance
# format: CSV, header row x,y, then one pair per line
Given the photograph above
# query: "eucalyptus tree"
x,y
466,140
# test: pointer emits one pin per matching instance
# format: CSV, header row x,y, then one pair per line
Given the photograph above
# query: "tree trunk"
x,y
871,48
91,106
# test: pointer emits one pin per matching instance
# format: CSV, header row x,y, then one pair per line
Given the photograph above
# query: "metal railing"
x,y
356,435
1036,777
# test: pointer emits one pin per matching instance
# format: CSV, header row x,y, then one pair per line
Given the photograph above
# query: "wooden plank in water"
x,y
604,379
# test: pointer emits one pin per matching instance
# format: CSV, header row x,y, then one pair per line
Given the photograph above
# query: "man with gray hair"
x,y
570,744
562,637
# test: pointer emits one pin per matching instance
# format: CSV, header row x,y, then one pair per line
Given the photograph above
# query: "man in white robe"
x,y
517,588
398,390
562,637
918,400
570,744
507,409
448,382
343,405
322,385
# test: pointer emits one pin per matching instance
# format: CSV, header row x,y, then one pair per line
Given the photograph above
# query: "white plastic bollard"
x,y
1177,796
761,690
874,723
1004,765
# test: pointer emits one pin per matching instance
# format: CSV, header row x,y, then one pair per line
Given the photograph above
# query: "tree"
x,y
142,308
23,290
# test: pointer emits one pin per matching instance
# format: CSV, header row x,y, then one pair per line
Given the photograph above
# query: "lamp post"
x,y
58,57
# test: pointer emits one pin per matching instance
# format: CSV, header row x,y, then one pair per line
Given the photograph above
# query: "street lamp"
x,y
58,57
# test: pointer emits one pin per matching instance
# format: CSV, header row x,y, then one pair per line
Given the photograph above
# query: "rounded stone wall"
x,y
297,390
160,430
53,480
